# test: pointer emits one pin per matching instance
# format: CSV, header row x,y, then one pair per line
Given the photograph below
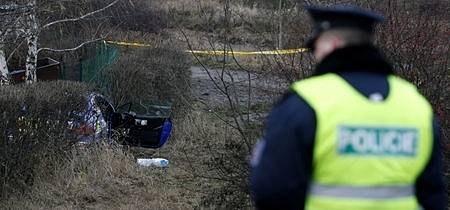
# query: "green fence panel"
x,y
93,68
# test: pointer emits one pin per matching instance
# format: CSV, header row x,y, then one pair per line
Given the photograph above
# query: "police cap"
x,y
341,16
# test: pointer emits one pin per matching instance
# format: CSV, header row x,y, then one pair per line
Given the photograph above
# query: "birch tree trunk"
x,y
4,80
32,39
32,35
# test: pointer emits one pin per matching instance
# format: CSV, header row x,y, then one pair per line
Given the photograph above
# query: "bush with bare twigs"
x,y
35,135
147,75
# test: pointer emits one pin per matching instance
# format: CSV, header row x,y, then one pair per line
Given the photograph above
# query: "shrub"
x,y
35,135
138,16
150,74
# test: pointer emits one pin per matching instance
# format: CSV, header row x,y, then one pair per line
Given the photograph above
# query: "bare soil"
x,y
215,87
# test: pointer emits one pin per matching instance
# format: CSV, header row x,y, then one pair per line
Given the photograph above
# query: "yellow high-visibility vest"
x,y
367,153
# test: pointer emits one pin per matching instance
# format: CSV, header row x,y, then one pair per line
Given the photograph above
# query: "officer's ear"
x,y
325,44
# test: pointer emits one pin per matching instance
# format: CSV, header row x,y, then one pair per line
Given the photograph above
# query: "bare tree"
x,y
32,30
12,24
237,91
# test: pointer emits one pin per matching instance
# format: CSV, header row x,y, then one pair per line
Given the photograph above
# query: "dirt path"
x,y
207,85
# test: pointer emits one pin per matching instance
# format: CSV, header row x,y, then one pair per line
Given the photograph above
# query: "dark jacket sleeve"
x,y
430,188
281,173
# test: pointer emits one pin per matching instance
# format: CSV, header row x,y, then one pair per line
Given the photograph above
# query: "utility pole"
x,y
280,24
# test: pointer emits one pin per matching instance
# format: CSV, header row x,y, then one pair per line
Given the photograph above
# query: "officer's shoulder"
x,y
312,80
284,98
291,101
412,88
404,82
294,110
317,77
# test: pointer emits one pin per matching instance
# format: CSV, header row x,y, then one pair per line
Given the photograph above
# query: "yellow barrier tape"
x,y
221,52
238,53
128,44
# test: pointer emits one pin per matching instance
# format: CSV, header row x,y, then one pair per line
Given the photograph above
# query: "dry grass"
x,y
105,176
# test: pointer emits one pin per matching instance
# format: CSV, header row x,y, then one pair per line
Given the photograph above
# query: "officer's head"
x,y
340,26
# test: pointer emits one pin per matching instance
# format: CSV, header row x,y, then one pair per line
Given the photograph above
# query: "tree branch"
x,y
81,17
70,49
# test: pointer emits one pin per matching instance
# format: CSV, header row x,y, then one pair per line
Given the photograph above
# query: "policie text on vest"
x,y
377,141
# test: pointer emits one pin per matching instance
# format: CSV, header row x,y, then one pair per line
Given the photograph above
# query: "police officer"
x,y
352,136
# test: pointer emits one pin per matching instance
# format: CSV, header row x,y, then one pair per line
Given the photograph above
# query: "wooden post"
x,y
280,25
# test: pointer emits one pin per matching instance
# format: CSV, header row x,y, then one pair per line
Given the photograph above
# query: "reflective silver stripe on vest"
x,y
381,192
